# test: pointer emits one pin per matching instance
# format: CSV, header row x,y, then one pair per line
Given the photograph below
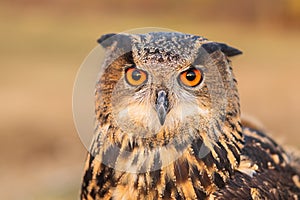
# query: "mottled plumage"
x,y
157,137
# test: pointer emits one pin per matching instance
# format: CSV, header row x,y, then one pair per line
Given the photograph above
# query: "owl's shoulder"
x,y
265,172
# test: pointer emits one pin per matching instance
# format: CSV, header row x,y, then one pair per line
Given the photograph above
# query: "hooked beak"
x,y
161,106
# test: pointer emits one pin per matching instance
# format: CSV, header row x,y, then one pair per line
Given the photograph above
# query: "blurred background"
x,y
43,43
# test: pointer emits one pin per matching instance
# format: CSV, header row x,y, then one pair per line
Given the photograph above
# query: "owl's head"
x,y
164,84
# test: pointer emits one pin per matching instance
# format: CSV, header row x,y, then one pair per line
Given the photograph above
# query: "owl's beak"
x,y
161,106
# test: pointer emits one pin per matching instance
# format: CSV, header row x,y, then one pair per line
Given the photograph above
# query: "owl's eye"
x,y
191,77
135,76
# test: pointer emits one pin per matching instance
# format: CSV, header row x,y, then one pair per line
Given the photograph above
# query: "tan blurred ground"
x,y
43,44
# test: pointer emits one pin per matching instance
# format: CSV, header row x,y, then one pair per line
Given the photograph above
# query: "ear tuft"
x,y
105,41
227,50
123,41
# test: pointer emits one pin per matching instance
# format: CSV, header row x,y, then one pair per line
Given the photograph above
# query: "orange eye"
x,y
135,76
191,77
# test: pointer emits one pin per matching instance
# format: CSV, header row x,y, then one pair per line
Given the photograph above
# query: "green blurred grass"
x,y
41,51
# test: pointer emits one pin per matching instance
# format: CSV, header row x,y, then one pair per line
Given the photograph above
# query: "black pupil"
x,y
190,75
136,75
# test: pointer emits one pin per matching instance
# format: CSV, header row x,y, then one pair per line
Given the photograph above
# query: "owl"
x,y
168,126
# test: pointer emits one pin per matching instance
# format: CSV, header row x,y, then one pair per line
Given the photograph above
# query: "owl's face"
x,y
167,82
149,98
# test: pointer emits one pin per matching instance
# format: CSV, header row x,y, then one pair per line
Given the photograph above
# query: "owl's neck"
x,y
202,163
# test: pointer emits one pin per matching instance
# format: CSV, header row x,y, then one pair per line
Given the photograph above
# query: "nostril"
x,y
161,94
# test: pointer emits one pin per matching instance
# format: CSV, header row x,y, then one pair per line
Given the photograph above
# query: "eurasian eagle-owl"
x,y
168,126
